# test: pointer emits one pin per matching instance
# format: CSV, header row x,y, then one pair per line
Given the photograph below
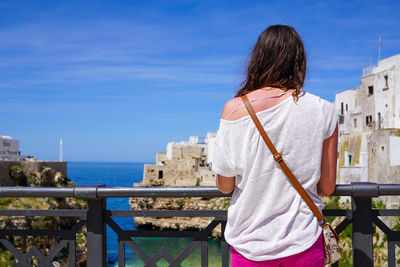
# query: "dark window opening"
x,y
347,107
341,108
379,120
355,123
160,174
386,81
370,90
369,120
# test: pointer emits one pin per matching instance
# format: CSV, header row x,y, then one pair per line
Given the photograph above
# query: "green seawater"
x,y
174,246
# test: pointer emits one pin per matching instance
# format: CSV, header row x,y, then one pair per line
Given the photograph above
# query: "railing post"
x,y
362,232
96,234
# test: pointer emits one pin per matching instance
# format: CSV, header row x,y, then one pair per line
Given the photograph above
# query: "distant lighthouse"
x,y
60,152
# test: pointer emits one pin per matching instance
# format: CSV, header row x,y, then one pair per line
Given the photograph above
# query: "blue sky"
x,y
117,80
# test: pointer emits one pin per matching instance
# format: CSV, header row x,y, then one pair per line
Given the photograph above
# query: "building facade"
x,y
186,163
9,148
369,126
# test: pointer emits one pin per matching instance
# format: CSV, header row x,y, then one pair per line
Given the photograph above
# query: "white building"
x,y
185,163
369,125
345,106
205,143
9,149
375,104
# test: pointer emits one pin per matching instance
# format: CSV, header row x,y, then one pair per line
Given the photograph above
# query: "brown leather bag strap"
x,y
278,158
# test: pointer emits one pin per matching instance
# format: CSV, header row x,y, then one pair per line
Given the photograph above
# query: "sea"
x,y
126,174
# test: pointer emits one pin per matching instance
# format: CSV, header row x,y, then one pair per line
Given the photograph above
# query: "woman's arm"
x,y
225,184
327,182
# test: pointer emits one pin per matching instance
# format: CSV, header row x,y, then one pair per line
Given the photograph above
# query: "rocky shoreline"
x,y
179,223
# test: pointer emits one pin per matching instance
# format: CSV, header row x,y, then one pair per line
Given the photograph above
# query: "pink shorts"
x,y
312,257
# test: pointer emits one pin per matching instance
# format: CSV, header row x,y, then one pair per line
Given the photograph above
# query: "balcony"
x,y
362,216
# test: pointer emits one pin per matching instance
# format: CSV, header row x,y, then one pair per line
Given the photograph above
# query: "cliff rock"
x,y
178,223
45,176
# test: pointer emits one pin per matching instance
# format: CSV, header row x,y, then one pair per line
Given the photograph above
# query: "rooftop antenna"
x,y
60,151
379,47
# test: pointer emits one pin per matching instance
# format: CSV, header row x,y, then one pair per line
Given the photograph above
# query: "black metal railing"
x,y
96,217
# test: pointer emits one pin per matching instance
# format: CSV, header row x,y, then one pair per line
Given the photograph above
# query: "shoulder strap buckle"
x,y
278,157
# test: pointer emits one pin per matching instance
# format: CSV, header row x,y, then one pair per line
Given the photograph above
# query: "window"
x,y
341,108
160,174
368,120
386,82
355,123
370,90
347,107
341,119
379,120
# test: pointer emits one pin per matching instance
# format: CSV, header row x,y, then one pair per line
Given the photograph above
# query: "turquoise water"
x,y
125,174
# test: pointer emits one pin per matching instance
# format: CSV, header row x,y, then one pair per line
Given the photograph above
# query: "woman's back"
x,y
267,218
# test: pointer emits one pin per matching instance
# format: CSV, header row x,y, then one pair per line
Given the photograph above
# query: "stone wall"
x,y
205,176
381,146
28,167
187,151
351,144
350,174
186,167
161,157
379,168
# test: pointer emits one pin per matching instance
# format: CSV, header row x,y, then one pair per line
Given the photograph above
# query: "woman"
x,y
269,224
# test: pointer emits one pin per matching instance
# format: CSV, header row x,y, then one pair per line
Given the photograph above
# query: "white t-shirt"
x,y
267,218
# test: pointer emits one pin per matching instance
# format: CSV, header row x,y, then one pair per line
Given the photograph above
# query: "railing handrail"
x,y
99,192
96,218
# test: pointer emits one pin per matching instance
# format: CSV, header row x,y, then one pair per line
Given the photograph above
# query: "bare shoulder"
x,y
230,106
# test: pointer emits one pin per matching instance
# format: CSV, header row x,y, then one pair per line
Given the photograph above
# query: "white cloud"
x,y
107,51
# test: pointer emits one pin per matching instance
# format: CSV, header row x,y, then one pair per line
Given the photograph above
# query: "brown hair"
x,y
278,60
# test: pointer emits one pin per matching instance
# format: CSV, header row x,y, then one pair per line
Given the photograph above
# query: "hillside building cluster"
x,y
186,163
369,126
